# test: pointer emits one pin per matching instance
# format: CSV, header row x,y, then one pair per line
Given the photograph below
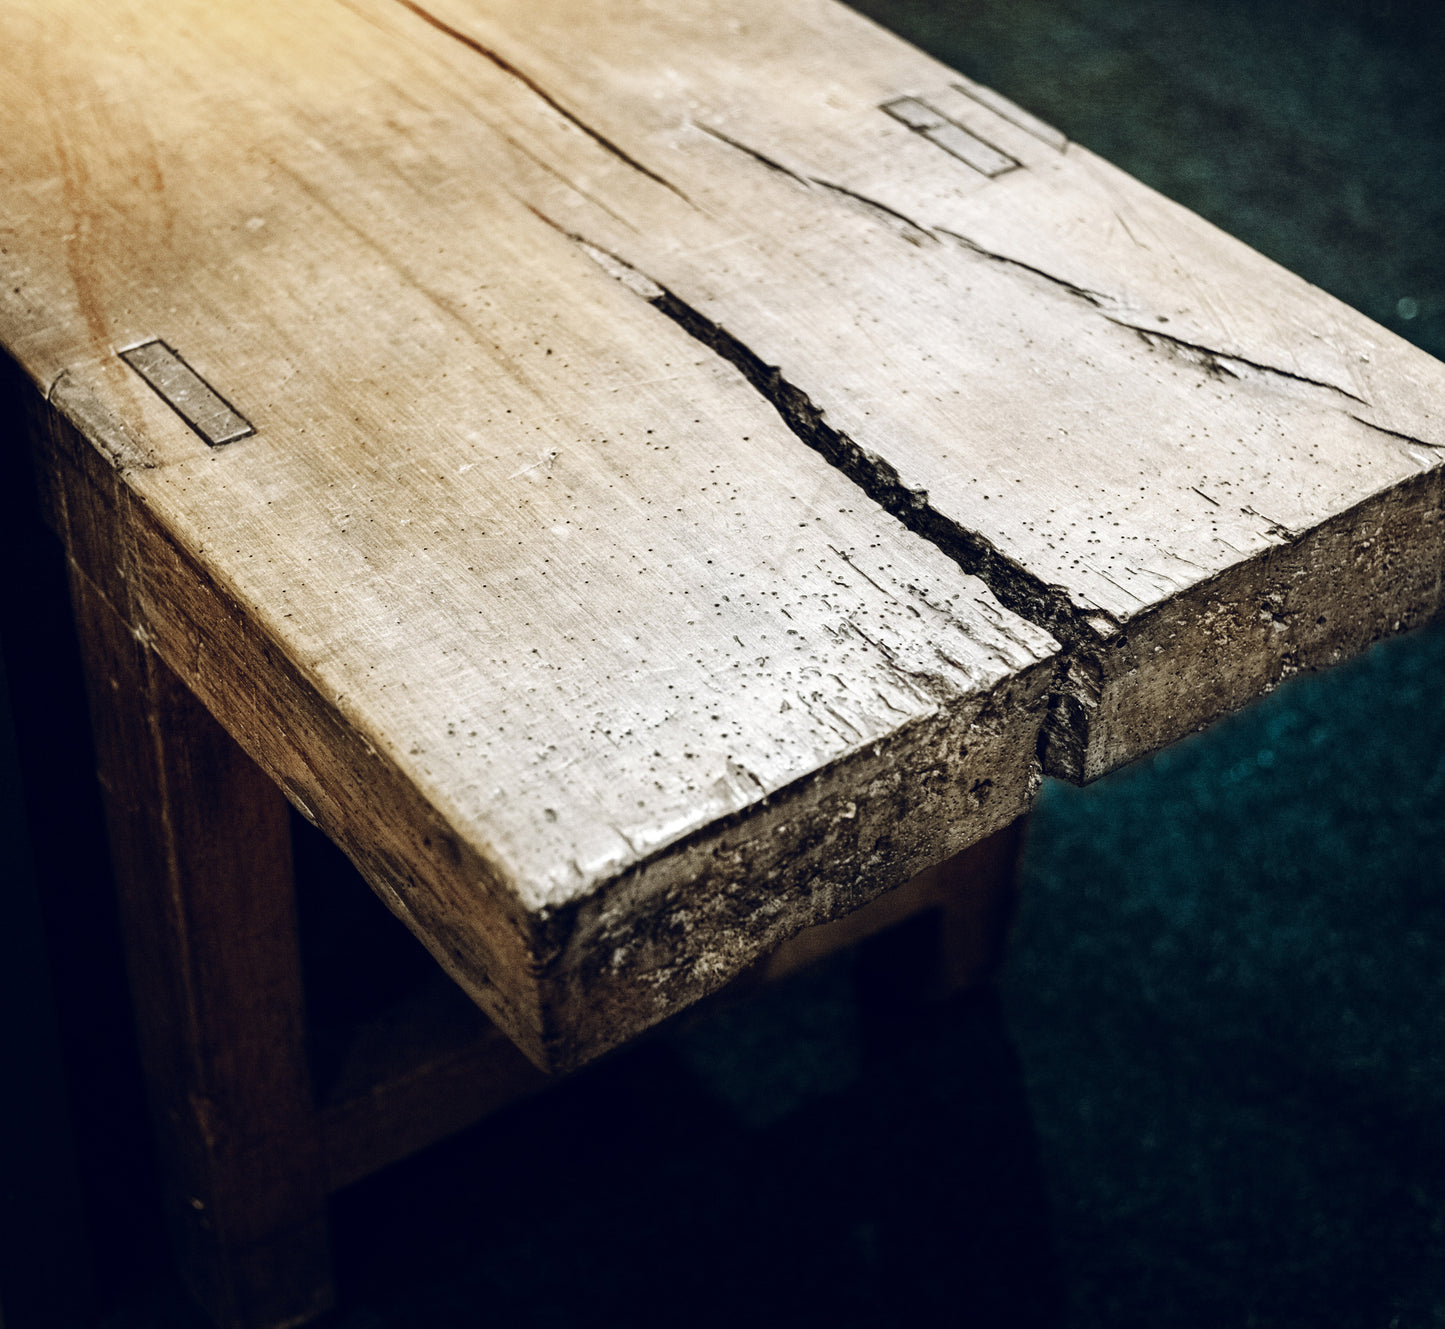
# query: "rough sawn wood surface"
x,y
599,359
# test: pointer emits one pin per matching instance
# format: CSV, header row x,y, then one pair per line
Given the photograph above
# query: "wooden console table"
x,y
643,481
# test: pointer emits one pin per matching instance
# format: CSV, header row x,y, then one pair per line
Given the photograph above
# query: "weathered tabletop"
x,y
650,477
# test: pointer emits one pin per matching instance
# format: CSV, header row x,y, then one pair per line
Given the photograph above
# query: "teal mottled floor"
x,y
1228,994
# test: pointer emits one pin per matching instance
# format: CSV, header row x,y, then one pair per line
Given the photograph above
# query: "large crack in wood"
x,y
1096,298
1395,433
1064,736
531,84
912,229
1014,586
1217,359
1210,358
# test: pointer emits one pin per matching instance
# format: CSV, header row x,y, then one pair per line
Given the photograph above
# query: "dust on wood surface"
x,y
701,452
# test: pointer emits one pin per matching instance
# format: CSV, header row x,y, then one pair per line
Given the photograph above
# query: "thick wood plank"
x,y
605,683
1198,471
201,851
526,586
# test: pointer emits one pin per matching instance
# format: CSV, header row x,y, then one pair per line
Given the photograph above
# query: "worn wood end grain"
x,y
706,461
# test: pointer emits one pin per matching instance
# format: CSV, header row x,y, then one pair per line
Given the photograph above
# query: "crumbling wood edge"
x,y
420,1074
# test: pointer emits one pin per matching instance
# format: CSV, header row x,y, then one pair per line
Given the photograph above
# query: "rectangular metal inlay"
x,y
953,138
187,393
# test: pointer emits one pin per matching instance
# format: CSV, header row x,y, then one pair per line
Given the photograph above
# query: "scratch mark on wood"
x,y
1395,433
1275,528
913,228
1222,359
855,568
1118,586
1212,360
757,156
1096,298
1119,217
544,459
537,161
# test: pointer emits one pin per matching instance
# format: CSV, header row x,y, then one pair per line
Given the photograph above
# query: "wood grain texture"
x,y
605,682
599,356
1145,436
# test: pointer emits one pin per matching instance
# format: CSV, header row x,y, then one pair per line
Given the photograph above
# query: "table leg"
x,y
958,935
201,850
